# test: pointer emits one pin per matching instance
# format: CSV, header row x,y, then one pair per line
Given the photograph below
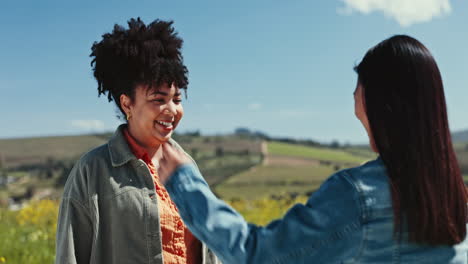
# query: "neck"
x,y
153,152
151,149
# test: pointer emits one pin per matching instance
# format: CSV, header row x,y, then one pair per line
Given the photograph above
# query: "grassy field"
x,y
263,211
22,151
269,180
324,154
27,159
289,169
462,155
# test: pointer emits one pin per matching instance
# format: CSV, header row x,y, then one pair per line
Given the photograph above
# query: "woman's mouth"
x,y
165,125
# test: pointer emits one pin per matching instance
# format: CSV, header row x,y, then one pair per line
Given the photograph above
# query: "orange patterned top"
x,y
178,244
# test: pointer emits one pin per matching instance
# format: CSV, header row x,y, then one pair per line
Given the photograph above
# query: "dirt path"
x,y
264,151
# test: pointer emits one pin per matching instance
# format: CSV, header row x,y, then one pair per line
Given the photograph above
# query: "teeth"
x,y
167,124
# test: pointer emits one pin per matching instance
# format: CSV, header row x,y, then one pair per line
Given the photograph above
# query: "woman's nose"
x,y
171,108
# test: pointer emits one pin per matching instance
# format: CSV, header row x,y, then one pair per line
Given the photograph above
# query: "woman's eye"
x,y
177,101
158,100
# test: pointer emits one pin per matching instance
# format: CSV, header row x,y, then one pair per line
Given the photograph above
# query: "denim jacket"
x,y
348,220
109,211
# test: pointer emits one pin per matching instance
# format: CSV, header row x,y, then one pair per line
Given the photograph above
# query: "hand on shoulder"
x,y
172,158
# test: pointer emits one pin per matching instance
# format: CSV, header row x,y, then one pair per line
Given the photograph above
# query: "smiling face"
x,y
153,114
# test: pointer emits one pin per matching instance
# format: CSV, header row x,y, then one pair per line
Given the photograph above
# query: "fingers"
x,y
172,154
169,152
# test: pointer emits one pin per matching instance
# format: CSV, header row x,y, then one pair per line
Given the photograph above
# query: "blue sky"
x,y
282,67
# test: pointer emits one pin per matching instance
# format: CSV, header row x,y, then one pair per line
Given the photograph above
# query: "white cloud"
x,y
92,125
254,106
405,12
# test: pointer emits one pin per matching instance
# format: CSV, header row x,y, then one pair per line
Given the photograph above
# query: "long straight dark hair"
x,y
405,105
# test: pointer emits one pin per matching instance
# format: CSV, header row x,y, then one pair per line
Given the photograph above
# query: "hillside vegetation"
x,y
315,153
290,170
261,179
29,151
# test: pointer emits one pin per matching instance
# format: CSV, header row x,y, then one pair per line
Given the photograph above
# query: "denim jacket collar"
x,y
120,152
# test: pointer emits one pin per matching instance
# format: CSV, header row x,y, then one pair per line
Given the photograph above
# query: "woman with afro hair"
x,y
114,208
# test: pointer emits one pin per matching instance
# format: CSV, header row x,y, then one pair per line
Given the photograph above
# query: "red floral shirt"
x,y
178,244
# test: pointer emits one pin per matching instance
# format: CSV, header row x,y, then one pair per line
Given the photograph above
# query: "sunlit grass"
x,y
325,154
263,211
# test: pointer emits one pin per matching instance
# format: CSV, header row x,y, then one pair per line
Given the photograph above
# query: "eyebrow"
x,y
165,94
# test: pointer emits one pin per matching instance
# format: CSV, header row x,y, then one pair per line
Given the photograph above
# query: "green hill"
x,y
26,151
37,167
235,166
316,153
460,136
290,169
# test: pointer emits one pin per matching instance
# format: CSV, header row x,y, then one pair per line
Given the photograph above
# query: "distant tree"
x,y
261,135
29,192
49,167
335,144
49,173
242,131
219,152
293,195
3,176
287,140
312,143
195,133
194,153
62,179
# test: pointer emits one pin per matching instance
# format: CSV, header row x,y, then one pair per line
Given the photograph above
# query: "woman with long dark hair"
x,y
407,206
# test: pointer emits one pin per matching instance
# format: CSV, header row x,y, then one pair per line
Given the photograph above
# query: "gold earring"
x,y
129,115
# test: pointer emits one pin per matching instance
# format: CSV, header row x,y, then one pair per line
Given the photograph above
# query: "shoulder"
x,y
368,176
355,190
372,184
78,182
96,155
352,179
371,167
338,195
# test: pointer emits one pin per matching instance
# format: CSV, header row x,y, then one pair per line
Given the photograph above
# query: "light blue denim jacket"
x,y
348,220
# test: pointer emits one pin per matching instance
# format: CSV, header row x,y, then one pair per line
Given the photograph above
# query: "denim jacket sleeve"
x,y
74,227
327,229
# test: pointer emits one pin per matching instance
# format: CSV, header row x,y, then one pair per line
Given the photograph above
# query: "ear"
x,y
126,103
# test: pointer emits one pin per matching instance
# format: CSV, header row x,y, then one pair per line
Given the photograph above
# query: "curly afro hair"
x,y
148,55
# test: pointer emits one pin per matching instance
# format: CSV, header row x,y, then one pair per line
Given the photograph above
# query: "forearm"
x,y
303,235
209,218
